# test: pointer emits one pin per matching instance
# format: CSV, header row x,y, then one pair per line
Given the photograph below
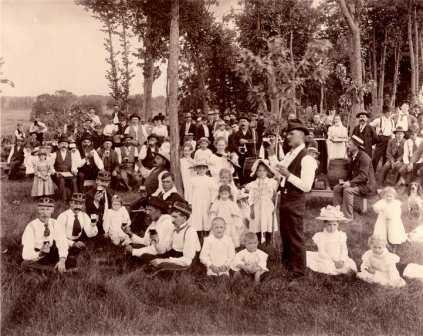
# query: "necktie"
x,y
76,229
46,230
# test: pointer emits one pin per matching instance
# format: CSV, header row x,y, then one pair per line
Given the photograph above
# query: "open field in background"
x,y
106,298
9,119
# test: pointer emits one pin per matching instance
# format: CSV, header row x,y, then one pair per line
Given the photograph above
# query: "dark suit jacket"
x,y
368,136
172,198
199,132
91,209
251,151
362,174
395,151
192,129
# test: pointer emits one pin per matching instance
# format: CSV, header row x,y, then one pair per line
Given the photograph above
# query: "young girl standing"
x,y
262,194
43,184
202,191
332,254
203,153
379,265
389,223
225,207
187,173
218,249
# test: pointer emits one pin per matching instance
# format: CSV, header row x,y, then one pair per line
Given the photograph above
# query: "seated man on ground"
x,y
42,246
361,178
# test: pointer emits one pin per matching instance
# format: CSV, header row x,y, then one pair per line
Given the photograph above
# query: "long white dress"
x,y
261,197
217,163
202,191
386,272
331,246
203,155
229,211
337,150
187,174
389,223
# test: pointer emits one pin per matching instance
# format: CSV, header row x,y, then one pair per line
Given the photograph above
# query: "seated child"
x,y
218,249
332,252
379,265
251,260
114,220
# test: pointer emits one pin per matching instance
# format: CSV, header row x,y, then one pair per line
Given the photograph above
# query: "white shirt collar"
x,y
167,194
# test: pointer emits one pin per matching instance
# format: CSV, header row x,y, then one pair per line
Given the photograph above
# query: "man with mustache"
x,y
365,132
90,163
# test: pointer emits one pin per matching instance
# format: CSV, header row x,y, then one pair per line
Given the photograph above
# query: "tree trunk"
x,y
382,75
173,93
322,97
148,73
293,88
416,34
374,75
397,57
412,59
355,57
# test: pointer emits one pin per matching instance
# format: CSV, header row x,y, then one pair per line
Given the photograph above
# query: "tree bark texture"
x,y
148,73
412,59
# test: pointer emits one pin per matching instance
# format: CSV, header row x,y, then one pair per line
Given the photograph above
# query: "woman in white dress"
x,y
332,252
221,159
337,139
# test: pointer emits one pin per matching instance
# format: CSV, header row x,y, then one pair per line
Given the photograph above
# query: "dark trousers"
x,y
291,212
16,172
61,183
86,172
380,151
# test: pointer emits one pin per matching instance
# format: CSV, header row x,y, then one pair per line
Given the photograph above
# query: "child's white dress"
x,y
386,272
217,252
389,223
261,197
187,174
230,212
202,191
43,184
247,258
203,155
112,225
331,246
217,162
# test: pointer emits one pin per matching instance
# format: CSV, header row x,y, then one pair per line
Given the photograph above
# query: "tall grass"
x,y
108,297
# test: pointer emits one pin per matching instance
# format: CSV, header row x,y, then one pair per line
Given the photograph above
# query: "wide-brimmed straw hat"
x,y
332,213
264,163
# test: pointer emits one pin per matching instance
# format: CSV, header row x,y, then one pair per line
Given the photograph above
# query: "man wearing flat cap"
x,y
297,171
361,180
365,132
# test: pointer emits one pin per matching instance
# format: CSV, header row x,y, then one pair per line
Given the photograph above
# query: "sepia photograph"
x,y
211,167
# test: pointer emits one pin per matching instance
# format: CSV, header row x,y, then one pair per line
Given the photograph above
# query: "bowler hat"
x,y
46,202
78,197
362,113
63,138
399,129
158,203
296,124
135,116
107,138
86,136
245,117
182,207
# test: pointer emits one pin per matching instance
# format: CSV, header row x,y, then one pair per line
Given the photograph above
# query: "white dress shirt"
x,y
217,252
185,240
110,129
164,227
64,226
383,125
408,150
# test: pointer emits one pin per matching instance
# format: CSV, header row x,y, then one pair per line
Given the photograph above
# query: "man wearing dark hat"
x,y
128,157
365,132
384,127
161,163
90,163
202,129
297,170
184,244
16,159
361,180
394,156
99,198
158,236
137,131
109,156
148,153
187,127
66,168
84,132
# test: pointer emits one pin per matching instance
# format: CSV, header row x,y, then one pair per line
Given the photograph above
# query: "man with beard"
x,y
147,154
137,130
98,199
128,169
361,181
109,156
365,132
90,163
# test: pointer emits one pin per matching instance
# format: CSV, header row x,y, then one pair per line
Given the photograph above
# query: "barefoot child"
x,y
43,184
379,265
251,260
332,255
115,221
218,249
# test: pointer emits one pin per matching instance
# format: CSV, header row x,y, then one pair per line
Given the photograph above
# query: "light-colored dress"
x,y
247,258
217,163
337,150
203,155
202,191
331,246
40,187
229,211
112,225
389,223
187,174
386,272
261,197
160,131
217,252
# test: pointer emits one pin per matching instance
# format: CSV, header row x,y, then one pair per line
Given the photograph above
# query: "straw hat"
x,y
263,162
332,213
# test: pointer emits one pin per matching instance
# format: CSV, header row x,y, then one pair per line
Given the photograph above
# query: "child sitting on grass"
x,y
251,260
115,221
379,265
218,249
332,255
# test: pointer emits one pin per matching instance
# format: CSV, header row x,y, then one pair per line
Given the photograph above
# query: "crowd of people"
x,y
242,181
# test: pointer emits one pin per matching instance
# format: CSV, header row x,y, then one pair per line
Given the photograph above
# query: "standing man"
x,y
394,155
361,178
91,162
365,132
187,127
16,159
297,170
384,126
202,129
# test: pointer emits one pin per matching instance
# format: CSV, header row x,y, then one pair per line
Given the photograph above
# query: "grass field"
x,y
9,119
105,298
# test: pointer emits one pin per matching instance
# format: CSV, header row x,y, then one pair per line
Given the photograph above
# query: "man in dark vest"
x,y
148,153
161,163
109,157
15,160
361,181
297,176
90,163
128,171
365,132
65,168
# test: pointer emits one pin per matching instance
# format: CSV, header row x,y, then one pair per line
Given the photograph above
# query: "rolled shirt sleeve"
x,y
308,170
191,246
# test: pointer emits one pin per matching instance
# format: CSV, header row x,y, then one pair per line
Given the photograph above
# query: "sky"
x,y
49,45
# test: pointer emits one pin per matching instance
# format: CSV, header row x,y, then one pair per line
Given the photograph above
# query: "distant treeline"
x,y
16,103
